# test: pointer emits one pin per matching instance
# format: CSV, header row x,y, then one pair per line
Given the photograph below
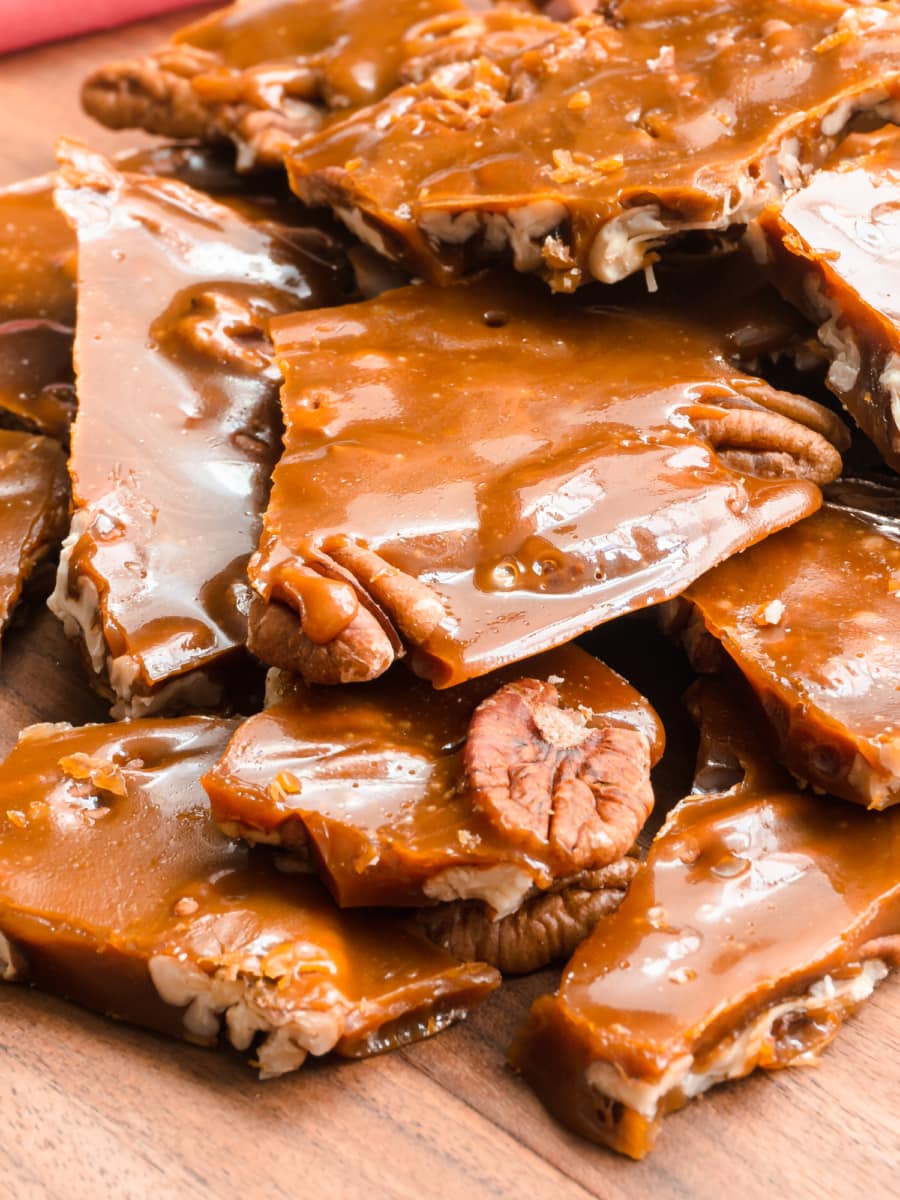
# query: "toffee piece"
x,y
763,918
401,795
263,73
177,425
834,250
662,118
33,511
481,472
36,377
811,616
118,891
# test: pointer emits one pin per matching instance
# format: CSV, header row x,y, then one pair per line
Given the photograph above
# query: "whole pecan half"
x,y
570,792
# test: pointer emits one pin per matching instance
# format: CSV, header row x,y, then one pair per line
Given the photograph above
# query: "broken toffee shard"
x,y
263,73
833,251
664,118
811,617
481,472
763,917
34,511
535,778
177,423
118,891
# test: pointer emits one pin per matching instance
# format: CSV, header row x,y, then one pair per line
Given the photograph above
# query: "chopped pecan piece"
x,y
545,777
548,926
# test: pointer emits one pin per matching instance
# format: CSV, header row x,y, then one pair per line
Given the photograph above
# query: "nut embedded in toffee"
x,y
117,891
763,917
480,472
372,785
177,424
833,251
263,73
590,150
811,616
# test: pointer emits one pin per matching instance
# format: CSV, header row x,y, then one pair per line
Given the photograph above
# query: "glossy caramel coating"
x,y
263,73
38,268
119,892
37,255
177,425
660,118
833,250
811,616
33,509
369,780
482,472
763,917
36,377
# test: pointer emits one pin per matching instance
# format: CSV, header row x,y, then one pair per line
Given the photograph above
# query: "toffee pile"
x,y
407,496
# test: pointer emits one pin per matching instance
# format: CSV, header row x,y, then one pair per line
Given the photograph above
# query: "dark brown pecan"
x,y
547,927
573,793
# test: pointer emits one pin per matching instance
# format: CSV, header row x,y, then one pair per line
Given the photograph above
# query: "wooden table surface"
x,y
90,1110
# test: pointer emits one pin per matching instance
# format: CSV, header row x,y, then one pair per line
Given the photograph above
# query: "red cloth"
x,y
27,22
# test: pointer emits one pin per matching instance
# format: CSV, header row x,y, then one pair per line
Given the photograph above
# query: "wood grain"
x,y
90,1110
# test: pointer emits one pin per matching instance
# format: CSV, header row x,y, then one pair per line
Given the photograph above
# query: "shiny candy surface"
x,y
657,119
525,458
177,424
812,618
833,248
109,861
747,899
370,777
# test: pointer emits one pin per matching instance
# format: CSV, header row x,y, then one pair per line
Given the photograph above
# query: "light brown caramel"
x,y
177,425
763,917
481,472
811,617
370,783
581,155
118,891
34,511
833,250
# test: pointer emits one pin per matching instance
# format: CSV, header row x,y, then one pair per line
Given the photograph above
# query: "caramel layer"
x,y
481,472
118,891
369,782
174,294
811,616
833,248
762,918
657,119
34,511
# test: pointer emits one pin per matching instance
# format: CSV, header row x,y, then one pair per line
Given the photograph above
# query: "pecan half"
x,y
361,651
575,794
765,443
548,926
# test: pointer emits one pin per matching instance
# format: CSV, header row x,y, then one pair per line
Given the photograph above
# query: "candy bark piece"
x,y
481,472
811,617
371,783
34,511
38,254
119,892
763,917
659,119
833,251
263,73
177,425
36,377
